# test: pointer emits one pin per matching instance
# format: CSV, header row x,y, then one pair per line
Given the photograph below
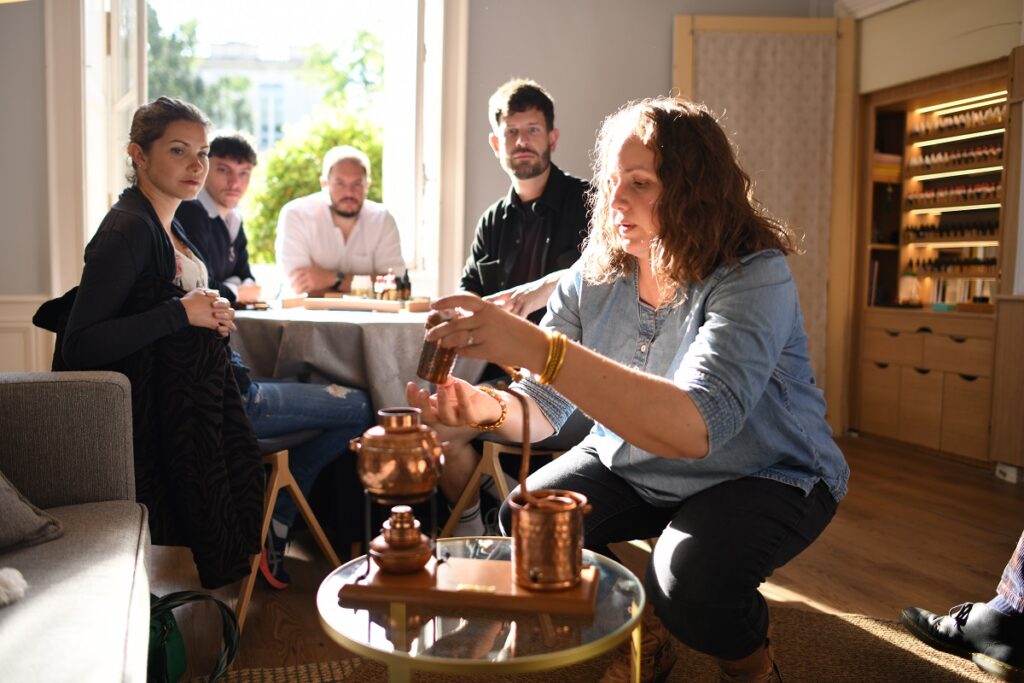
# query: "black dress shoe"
x,y
975,631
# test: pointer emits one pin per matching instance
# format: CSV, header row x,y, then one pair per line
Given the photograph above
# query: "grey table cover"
x,y
376,352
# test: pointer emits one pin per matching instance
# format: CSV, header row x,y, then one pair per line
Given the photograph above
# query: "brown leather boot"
x,y
656,655
758,667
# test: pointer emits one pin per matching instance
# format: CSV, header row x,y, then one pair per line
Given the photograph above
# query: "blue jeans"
x,y
714,548
277,408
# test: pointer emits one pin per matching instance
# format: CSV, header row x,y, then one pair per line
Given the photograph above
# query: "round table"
x,y
473,641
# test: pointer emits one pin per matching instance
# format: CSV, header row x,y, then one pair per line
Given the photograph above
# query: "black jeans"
x,y
715,548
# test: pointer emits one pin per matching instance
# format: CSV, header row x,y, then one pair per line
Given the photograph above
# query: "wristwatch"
x,y
337,283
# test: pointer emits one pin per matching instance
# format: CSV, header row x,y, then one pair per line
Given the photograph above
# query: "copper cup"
x,y
436,362
547,539
399,460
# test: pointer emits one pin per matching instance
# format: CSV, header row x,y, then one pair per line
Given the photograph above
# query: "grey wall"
x,y
592,55
24,242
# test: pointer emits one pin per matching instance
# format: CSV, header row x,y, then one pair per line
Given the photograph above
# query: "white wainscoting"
x,y
23,346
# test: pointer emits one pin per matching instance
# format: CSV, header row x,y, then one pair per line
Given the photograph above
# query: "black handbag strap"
x,y
229,624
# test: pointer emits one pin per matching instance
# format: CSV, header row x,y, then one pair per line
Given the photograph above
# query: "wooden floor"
x,y
915,529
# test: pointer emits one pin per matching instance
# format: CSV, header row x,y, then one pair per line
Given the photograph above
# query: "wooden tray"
x,y
463,582
358,303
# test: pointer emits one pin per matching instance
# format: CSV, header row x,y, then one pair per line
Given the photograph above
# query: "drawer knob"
x,y
924,329
893,333
882,366
922,371
958,340
967,378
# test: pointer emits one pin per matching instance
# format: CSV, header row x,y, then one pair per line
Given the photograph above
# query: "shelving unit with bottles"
x,y
952,195
930,231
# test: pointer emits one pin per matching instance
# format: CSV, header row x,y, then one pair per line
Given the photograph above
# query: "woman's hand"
x,y
206,308
456,404
487,332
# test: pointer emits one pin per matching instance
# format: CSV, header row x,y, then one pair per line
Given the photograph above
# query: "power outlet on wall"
x,y
1006,472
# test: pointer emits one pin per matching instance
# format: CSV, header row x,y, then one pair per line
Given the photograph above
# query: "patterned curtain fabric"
x,y
775,96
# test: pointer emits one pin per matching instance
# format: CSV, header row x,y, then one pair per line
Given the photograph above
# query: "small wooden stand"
x,y
344,302
471,583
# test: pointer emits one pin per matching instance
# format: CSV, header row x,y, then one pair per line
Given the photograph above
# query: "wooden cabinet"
x,y
929,231
1008,384
926,378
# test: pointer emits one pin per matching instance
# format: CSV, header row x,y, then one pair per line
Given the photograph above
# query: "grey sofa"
x,y
66,445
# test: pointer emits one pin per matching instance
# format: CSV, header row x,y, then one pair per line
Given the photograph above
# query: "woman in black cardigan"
x,y
144,308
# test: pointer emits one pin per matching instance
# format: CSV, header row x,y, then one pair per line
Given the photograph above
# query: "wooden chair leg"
x,y
311,521
280,478
274,483
489,464
492,465
472,486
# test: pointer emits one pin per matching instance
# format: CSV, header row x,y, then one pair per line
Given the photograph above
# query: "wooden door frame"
x,y
842,233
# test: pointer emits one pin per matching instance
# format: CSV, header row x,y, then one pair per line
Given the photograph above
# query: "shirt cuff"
x,y
556,408
719,407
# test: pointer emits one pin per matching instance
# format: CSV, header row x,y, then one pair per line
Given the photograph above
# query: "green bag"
x,y
167,660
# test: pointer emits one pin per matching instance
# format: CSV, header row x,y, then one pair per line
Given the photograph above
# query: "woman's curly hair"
x,y
707,212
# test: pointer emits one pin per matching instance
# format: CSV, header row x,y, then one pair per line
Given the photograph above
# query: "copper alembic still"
x,y
399,464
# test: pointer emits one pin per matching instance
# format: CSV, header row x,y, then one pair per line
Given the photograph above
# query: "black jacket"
x,y
224,258
499,234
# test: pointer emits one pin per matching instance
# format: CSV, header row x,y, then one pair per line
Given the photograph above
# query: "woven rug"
x,y
811,647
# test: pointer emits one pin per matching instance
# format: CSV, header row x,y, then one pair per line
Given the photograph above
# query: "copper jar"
x,y
400,459
436,362
547,539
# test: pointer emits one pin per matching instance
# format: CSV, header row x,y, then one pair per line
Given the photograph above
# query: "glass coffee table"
x,y
456,640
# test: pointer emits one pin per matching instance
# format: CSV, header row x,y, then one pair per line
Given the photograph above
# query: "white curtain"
x,y
775,94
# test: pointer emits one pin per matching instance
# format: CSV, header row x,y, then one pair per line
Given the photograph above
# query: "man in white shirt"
x,y
326,238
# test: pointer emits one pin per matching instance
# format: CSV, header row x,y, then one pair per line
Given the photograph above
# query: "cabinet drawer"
x,y
892,346
966,408
879,399
920,406
966,355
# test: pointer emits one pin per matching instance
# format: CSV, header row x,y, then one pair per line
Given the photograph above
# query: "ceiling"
x,y
860,9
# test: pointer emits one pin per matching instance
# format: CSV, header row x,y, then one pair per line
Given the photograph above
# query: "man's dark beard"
x,y
532,170
345,214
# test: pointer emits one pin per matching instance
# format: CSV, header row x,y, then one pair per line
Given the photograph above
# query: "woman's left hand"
x,y
487,332
456,404
224,314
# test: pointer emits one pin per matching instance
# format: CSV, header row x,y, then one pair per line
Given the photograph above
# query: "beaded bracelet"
x,y
490,391
558,344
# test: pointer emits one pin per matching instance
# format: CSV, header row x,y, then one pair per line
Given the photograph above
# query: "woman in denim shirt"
x,y
686,346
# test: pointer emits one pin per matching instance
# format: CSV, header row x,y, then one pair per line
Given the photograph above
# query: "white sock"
x,y
470,523
280,528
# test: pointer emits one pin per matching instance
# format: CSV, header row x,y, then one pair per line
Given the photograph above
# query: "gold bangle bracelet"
x,y
491,391
558,345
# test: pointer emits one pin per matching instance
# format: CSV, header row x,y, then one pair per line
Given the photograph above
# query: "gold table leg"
x,y
634,652
399,673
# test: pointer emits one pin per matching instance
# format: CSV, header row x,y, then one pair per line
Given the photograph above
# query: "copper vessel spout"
x,y
400,459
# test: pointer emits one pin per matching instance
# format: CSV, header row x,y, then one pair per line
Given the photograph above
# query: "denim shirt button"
x,y
643,347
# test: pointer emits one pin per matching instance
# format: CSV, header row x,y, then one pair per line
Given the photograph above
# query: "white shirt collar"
x,y
233,220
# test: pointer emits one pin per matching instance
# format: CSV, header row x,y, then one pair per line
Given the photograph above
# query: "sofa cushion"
x,y
22,523
85,615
